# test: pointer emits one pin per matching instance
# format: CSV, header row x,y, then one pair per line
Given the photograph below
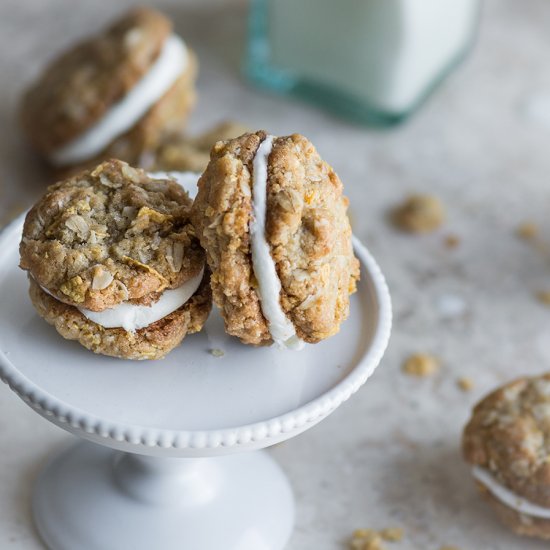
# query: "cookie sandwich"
x,y
272,218
114,263
112,96
507,444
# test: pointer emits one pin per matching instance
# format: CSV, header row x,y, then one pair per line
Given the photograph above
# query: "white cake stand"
x,y
159,467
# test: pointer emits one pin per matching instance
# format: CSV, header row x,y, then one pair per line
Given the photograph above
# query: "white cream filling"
x,y
132,317
269,286
188,180
123,115
507,497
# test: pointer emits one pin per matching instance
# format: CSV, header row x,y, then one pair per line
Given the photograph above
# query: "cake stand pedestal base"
x,y
93,498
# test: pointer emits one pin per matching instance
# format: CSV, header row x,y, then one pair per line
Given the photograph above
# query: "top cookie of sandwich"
x,y
306,228
509,435
111,235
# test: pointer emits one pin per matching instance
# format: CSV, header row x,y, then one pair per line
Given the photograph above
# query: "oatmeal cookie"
x,y
298,284
507,443
151,342
114,94
114,248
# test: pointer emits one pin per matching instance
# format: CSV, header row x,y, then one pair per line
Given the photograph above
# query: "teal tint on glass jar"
x,y
374,61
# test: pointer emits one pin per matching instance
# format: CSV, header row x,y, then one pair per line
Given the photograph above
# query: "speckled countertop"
x,y
390,456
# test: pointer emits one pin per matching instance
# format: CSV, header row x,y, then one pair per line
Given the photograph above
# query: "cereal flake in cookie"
x,y
507,443
113,95
114,263
272,218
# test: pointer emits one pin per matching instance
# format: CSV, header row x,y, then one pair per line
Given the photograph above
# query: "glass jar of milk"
x,y
372,60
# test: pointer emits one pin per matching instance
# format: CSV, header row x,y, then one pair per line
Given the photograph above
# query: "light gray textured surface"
x,y
390,456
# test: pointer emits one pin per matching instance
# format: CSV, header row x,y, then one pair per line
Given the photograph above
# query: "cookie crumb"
x,y
527,231
419,214
370,539
363,533
451,241
421,364
543,296
217,352
392,534
465,383
366,539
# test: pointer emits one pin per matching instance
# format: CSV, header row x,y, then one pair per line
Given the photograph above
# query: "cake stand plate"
x,y
161,468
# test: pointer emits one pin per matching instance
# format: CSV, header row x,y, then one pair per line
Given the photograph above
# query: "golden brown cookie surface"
x,y
151,342
508,437
111,235
509,434
307,229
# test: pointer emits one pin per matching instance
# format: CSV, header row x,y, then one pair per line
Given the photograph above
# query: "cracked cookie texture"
x,y
307,229
110,235
509,436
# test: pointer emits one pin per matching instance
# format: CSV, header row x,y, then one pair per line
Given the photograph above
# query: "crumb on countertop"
x,y
421,364
465,383
527,231
371,539
373,543
543,296
451,241
392,534
217,352
419,214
